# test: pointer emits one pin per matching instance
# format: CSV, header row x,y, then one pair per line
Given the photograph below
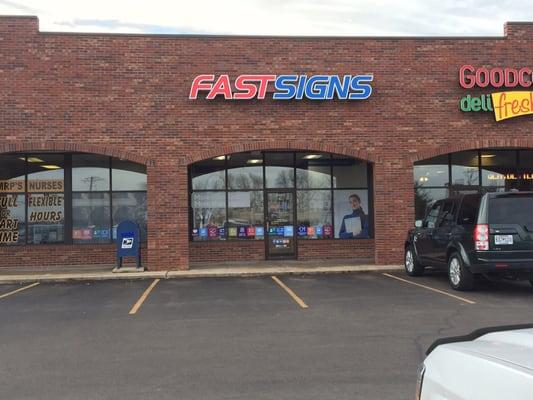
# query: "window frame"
x,y
481,186
294,189
68,197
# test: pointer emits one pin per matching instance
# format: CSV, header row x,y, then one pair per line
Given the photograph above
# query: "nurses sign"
x,y
285,87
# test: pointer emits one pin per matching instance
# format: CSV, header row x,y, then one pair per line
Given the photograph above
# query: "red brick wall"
x,y
53,255
127,95
362,249
252,250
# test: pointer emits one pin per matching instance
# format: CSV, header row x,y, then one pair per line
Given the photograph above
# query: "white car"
x,y
489,364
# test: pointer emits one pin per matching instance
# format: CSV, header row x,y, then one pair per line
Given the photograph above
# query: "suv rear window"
x,y
511,209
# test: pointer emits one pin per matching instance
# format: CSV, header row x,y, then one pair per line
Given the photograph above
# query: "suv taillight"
x,y
481,237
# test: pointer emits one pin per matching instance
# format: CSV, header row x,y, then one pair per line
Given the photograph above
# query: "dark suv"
x,y
473,234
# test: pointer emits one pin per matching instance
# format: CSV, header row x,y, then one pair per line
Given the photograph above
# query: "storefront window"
x,y
499,169
526,170
245,215
127,175
12,174
91,202
12,219
45,200
313,170
46,215
130,206
245,171
351,214
314,214
432,172
209,215
349,173
314,189
465,169
12,199
279,170
91,218
52,185
209,174
90,173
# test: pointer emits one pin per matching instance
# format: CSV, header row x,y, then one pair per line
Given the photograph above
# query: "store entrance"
x,y
280,235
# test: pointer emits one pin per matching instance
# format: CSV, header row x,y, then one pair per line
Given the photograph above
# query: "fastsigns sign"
x,y
285,87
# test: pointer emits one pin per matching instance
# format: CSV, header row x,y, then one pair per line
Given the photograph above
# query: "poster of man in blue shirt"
x,y
355,224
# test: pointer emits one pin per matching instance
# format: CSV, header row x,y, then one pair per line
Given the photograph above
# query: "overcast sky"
x,y
276,17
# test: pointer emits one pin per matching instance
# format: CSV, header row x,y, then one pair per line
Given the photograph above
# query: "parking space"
x,y
361,335
216,298
73,299
487,293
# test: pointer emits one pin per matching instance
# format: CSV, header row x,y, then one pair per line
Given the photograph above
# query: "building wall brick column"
x,y
168,240
393,209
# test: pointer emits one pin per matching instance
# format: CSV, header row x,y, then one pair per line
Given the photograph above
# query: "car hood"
x,y
515,347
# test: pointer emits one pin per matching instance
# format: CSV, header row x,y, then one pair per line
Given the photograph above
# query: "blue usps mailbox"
x,y
128,242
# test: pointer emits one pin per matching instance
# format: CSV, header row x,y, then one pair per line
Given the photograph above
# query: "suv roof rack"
x,y
476,334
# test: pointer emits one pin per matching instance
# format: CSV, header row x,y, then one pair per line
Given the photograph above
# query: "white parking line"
x,y
430,288
297,299
143,297
19,290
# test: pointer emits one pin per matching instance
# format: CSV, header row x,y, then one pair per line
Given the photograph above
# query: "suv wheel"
x,y
460,277
411,264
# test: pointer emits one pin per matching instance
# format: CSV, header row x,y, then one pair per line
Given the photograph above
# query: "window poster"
x,y
11,219
351,214
288,231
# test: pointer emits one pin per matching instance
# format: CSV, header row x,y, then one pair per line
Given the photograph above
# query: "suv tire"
x,y
411,263
459,276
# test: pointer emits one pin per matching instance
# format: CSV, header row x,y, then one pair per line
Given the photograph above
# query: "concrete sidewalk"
x,y
264,268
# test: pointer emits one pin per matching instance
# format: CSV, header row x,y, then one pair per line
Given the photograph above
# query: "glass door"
x,y
280,225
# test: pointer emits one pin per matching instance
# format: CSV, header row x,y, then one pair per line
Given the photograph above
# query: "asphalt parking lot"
x,y
350,336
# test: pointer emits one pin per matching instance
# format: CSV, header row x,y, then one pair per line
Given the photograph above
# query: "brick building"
x,y
97,128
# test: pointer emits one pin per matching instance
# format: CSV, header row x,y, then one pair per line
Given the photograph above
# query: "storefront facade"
x,y
101,128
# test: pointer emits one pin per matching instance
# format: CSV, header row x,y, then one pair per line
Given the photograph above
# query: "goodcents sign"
x,y
511,100
285,87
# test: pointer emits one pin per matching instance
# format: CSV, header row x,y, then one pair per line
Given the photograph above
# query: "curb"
x,y
188,274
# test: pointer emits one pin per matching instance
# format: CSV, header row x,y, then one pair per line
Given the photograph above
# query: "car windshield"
x,y
511,209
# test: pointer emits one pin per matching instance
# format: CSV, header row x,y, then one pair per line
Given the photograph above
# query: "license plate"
x,y
503,239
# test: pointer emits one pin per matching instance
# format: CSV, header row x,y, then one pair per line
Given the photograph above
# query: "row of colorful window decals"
x,y
258,232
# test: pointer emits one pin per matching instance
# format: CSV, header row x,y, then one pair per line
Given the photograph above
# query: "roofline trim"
x,y
284,37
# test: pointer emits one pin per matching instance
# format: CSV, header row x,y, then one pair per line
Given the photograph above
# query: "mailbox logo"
x,y
127,243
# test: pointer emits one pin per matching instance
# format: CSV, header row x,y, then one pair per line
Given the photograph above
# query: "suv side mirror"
x,y
418,223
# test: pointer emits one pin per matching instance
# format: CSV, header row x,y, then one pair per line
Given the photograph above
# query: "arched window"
x,y
469,172
68,197
318,195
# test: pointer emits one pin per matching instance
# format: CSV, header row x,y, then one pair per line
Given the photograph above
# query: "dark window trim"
x,y
111,200
26,194
294,189
481,186
255,190
67,199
